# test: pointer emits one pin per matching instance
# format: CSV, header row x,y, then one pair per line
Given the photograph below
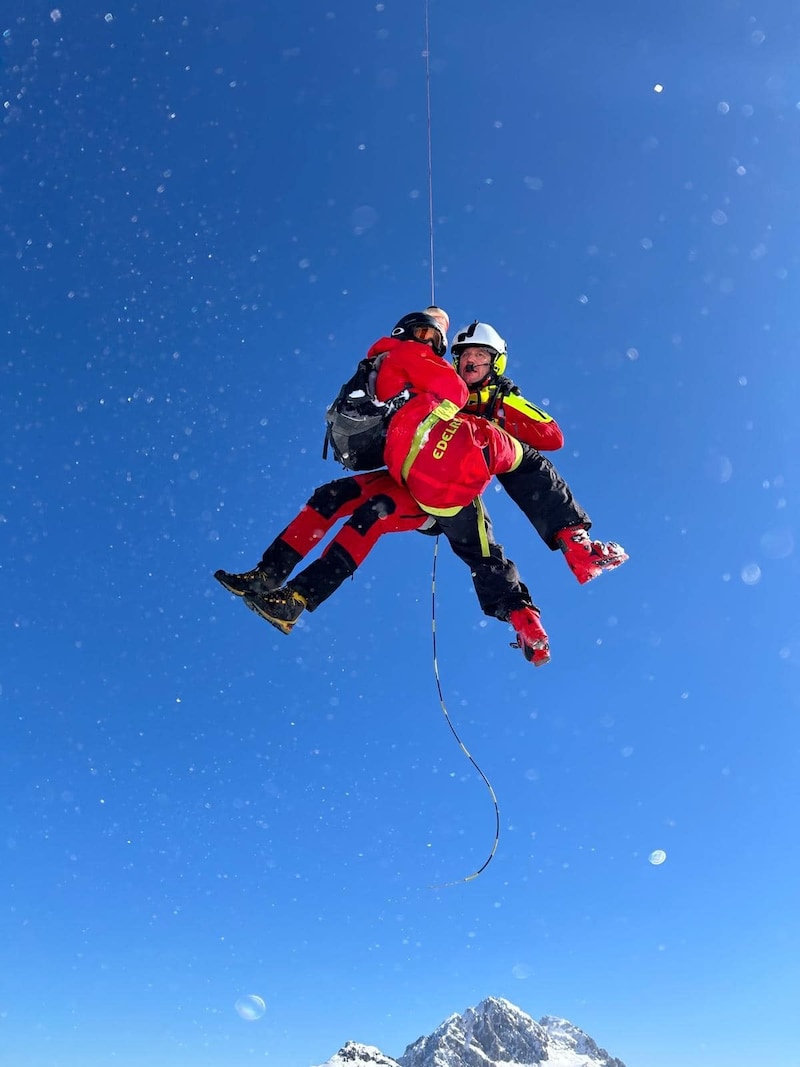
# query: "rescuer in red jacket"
x,y
535,486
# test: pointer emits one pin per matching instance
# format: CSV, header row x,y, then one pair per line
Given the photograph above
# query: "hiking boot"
x,y
282,607
587,558
531,636
254,581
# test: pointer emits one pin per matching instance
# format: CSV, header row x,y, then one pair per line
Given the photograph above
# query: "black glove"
x,y
505,386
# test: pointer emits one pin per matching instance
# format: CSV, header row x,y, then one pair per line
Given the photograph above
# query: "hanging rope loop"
x,y
461,745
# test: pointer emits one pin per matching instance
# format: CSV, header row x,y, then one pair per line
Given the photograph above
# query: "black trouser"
x,y
497,582
547,502
373,504
543,496
498,585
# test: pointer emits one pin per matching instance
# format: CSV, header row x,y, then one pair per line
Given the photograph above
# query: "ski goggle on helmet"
x,y
420,326
483,335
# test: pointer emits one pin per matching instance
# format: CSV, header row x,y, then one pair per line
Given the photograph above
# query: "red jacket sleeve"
x,y
414,366
530,424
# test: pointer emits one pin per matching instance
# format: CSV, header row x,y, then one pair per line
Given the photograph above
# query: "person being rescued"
x,y
439,461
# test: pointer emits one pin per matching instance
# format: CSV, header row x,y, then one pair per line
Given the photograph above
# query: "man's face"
x,y
474,363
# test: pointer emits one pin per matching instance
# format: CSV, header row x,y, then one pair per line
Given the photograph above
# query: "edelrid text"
x,y
447,436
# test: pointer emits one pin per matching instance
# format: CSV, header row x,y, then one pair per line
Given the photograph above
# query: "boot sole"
x,y
600,568
279,624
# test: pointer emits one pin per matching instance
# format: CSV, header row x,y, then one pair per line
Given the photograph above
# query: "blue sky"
x,y
207,215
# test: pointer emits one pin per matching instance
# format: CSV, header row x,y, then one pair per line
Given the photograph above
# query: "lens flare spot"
x,y
250,1008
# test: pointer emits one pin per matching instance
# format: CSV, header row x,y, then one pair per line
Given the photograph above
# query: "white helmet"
x,y
481,333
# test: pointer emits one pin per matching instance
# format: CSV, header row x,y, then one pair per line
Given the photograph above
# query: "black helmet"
x,y
416,326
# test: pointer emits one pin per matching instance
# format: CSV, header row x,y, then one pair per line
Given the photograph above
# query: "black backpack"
x,y
356,421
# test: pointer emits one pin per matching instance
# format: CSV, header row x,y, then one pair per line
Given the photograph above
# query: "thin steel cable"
x,y
462,746
430,145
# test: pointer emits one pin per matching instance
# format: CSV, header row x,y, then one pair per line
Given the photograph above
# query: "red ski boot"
x,y
587,558
531,636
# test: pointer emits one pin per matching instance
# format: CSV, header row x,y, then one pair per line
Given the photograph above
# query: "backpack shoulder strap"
x,y
365,373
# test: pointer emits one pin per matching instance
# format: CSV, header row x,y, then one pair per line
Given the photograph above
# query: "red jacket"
x,y
445,459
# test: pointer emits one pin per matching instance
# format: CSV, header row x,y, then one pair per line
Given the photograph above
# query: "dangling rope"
x,y
461,744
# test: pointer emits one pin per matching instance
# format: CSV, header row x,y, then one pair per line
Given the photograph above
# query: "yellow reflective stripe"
x,y
417,442
482,396
519,453
519,403
441,413
439,511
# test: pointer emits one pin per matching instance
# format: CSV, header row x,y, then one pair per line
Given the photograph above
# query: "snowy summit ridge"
x,y
352,1054
493,1034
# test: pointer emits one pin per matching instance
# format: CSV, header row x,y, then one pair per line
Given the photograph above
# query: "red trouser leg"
x,y
329,503
384,507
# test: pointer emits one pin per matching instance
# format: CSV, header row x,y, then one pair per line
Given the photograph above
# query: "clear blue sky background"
x,y
208,212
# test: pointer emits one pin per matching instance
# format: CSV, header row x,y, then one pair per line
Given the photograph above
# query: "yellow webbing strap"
x,y
482,535
446,410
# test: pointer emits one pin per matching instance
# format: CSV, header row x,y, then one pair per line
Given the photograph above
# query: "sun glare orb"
x,y
657,857
250,1008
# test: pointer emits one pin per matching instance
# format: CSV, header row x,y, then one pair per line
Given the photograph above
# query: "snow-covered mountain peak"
x,y
495,1033
492,1033
565,1036
352,1054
